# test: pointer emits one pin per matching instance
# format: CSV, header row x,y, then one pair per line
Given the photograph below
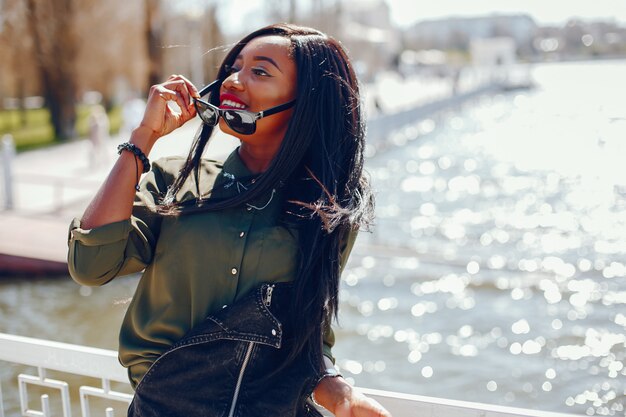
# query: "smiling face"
x,y
262,76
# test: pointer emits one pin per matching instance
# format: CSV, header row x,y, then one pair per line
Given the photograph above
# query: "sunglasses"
x,y
241,121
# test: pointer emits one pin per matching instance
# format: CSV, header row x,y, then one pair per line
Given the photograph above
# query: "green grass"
x,y
36,131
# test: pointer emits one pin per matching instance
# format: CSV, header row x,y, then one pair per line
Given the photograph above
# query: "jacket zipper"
x,y
268,302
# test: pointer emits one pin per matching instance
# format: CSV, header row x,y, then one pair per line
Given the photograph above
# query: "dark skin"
x,y
262,76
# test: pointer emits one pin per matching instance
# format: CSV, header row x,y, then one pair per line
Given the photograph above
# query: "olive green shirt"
x,y
194,264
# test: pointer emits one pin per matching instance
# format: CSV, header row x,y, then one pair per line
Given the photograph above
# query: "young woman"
x,y
242,259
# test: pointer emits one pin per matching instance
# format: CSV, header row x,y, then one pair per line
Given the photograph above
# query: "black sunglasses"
x,y
241,121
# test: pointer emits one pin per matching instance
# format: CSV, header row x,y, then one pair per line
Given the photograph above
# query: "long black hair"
x,y
321,158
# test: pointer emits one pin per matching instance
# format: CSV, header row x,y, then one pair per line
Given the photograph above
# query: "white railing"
x,y
103,364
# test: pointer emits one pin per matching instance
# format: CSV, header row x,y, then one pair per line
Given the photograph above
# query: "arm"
x,y
114,200
97,255
343,400
334,393
107,241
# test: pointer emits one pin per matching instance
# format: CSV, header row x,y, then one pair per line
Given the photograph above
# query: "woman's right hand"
x,y
158,116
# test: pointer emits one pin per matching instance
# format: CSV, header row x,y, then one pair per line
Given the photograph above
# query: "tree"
x,y
19,79
154,41
51,25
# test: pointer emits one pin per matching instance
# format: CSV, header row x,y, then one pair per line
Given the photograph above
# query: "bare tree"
x,y
154,40
18,75
112,55
55,43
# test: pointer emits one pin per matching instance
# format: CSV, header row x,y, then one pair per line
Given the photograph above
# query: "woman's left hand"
x,y
341,399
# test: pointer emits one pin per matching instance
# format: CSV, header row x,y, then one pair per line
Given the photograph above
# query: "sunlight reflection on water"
x,y
496,268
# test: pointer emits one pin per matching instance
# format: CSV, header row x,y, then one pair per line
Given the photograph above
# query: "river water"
x,y
495,272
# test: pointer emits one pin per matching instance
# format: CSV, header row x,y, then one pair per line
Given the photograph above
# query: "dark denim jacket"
x,y
218,368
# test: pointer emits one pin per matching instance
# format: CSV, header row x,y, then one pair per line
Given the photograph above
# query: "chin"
x,y
223,127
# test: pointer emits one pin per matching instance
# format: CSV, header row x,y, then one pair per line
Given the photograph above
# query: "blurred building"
x,y
365,27
195,44
456,32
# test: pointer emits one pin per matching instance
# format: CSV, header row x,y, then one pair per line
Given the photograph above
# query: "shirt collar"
x,y
235,166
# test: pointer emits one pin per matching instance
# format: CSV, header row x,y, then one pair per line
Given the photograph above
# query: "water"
x,y
496,271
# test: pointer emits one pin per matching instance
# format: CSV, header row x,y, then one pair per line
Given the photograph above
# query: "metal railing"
x,y
103,364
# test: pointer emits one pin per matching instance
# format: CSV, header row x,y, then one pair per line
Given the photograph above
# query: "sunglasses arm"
x,y
205,90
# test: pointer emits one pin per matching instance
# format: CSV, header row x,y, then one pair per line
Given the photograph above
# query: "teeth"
x,y
230,103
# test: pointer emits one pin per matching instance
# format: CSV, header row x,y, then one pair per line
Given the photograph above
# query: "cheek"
x,y
275,123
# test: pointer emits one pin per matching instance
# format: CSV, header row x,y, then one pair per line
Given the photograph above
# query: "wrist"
x,y
144,138
331,391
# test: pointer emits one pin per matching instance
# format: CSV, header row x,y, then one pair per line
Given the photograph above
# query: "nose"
x,y
232,82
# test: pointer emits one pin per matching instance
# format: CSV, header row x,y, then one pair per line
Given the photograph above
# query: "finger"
x,y
180,101
190,87
181,86
165,93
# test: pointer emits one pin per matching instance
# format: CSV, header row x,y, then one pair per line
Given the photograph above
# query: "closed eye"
x,y
230,69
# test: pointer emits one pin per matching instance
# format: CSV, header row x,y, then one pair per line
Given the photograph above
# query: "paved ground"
x,y
58,181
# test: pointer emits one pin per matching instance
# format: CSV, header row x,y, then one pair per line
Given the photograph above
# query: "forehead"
x,y
273,46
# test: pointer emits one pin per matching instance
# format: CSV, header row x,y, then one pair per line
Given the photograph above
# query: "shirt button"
x,y
274,332
241,234
233,271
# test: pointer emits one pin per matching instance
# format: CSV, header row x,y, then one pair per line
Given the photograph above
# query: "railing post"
x,y
8,155
45,405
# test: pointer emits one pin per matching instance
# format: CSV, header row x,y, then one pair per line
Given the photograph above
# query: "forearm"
x,y
114,200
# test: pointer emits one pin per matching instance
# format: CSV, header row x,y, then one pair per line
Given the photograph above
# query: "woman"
x,y
242,259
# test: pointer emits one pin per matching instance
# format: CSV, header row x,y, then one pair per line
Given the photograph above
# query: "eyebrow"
x,y
262,58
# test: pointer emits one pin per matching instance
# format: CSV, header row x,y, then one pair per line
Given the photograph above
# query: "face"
x,y
263,76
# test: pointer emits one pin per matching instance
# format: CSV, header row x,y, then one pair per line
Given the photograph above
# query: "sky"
x,y
247,14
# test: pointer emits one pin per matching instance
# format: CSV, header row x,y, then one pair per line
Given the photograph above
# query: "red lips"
x,y
230,97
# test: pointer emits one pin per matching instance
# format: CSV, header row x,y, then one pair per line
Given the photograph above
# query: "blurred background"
x,y
496,270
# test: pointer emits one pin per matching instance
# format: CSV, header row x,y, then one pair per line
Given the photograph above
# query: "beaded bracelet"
x,y
127,146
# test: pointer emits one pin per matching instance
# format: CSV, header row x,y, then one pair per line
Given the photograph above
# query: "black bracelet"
x,y
127,146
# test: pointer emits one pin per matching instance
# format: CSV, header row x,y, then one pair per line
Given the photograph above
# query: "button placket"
x,y
242,237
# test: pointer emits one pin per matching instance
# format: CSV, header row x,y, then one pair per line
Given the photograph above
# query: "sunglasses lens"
x,y
240,122
206,113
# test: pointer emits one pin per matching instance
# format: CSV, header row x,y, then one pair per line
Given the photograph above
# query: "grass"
x,y
36,131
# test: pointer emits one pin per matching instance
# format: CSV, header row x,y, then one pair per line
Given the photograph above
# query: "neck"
x,y
256,159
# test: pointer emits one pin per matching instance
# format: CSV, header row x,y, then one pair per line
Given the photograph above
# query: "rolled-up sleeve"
x,y
96,256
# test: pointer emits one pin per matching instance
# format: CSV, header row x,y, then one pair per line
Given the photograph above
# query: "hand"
x,y
158,116
340,398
